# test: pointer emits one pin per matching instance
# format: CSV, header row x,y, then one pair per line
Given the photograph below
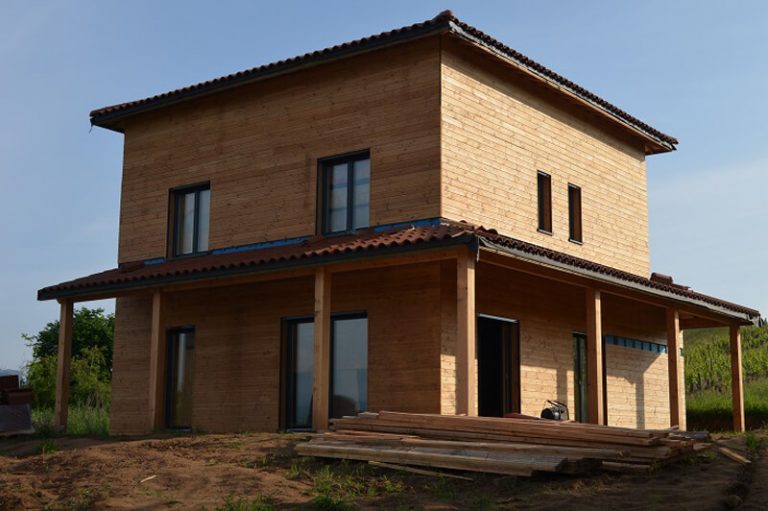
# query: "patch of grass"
x,y
712,410
260,503
85,500
329,503
755,444
47,446
81,421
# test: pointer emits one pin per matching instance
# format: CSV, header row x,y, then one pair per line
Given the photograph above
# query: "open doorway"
x,y
498,366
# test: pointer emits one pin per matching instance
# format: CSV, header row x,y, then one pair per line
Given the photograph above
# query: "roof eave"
x,y
109,120
654,144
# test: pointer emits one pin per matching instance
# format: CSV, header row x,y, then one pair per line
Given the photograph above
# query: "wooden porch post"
x,y
737,380
676,412
595,367
322,354
156,364
63,365
466,331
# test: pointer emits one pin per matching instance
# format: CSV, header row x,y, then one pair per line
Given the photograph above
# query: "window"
x,y
190,220
580,368
180,358
574,213
545,202
299,364
349,365
346,185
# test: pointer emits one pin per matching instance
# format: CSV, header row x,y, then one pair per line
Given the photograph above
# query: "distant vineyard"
x,y
708,359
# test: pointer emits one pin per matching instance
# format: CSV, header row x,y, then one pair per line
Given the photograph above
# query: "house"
x,y
423,220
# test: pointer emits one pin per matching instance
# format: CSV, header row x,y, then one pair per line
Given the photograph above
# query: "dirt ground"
x,y
261,472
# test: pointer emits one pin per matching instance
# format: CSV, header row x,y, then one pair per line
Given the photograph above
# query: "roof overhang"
x,y
111,117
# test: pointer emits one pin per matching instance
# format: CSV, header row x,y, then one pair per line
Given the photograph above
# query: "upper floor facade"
x,y
431,121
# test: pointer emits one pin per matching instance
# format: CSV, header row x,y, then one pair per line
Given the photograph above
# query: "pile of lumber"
x,y
511,446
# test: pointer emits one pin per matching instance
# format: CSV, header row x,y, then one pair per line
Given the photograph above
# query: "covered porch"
x,y
424,290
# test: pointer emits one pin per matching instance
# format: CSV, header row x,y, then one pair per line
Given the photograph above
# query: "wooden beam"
x,y
157,348
595,367
737,388
676,411
321,389
466,332
497,258
63,364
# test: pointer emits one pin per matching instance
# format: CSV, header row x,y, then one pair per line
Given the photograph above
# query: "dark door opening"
x,y
498,366
178,382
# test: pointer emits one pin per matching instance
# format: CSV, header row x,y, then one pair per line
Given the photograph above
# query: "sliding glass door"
x,y
299,354
348,369
349,365
179,375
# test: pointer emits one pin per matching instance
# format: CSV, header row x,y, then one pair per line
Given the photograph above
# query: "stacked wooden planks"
x,y
503,446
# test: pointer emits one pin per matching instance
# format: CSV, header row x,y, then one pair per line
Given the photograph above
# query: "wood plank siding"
x,y
237,345
258,146
498,131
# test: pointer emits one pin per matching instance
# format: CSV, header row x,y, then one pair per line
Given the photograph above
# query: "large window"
x,y
190,220
545,202
574,213
349,365
346,185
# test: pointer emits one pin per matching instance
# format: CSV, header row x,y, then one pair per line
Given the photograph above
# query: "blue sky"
x,y
697,70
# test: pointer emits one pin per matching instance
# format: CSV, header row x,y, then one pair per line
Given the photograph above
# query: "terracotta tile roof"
x,y
425,234
444,22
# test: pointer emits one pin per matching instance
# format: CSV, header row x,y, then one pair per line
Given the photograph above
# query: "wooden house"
x,y
423,220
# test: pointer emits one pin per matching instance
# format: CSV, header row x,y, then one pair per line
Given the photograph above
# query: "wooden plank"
x,y
419,471
322,350
63,365
733,455
466,330
676,411
594,357
157,347
737,379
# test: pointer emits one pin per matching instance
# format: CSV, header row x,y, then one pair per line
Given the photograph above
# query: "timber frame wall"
x,y
451,133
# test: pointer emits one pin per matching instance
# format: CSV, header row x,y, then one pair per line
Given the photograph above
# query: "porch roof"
x,y
427,234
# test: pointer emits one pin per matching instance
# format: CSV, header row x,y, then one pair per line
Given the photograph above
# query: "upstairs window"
x,y
190,219
545,202
574,213
345,193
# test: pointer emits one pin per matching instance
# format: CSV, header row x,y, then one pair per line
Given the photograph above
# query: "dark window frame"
x,y
544,196
323,166
575,222
174,217
170,332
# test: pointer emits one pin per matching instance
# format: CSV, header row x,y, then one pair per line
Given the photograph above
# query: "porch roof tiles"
x,y
377,241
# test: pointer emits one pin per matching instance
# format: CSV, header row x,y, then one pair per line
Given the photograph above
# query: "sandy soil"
x,y
202,471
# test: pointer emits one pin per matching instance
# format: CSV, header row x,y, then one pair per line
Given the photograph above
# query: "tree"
x,y
91,367
90,328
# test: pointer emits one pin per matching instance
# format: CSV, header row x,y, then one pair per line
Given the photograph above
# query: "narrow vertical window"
x,y
190,220
345,194
574,213
545,202
349,365
180,358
